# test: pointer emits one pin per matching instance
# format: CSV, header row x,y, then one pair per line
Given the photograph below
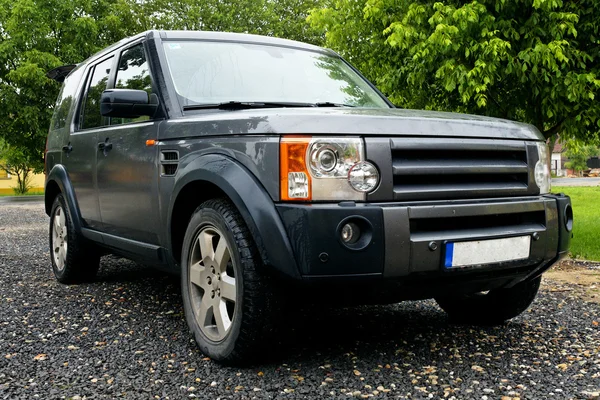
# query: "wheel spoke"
x,y
61,217
228,287
61,253
196,274
222,254
206,247
57,228
222,318
203,316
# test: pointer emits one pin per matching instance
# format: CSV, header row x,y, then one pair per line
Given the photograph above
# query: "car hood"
x,y
346,121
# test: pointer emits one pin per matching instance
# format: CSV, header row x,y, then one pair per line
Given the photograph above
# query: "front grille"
x,y
458,168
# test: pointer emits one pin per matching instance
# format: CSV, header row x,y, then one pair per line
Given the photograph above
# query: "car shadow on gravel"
x,y
310,334
417,325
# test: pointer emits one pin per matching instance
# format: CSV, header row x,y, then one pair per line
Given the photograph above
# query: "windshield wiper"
x,y
330,104
245,105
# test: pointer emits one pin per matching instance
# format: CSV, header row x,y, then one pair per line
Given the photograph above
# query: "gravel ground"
x,y
124,337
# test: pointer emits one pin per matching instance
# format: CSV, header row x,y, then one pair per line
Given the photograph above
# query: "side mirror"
x,y
127,103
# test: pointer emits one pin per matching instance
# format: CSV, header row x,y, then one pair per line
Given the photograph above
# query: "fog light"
x,y
350,233
363,177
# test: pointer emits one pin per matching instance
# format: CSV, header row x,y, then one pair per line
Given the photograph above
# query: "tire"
x,y
228,300
491,308
74,259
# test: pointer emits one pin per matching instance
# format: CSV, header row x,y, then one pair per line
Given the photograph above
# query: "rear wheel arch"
x,y
52,190
57,183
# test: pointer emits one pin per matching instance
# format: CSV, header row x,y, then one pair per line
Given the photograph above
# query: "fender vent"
x,y
169,156
169,160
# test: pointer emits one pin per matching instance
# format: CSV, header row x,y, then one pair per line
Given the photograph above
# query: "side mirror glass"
x,y
127,103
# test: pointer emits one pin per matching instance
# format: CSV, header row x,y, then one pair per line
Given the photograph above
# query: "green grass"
x,y
586,228
30,193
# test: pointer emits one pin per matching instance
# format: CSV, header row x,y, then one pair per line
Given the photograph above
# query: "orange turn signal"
x,y
294,177
150,142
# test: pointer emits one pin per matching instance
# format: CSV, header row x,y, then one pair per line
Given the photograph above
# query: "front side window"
x,y
91,117
216,72
133,73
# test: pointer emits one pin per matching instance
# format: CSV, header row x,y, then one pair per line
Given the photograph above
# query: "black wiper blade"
x,y
244,105
330,104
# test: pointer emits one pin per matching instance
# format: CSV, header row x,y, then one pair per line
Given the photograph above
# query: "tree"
x,y
36,36
281,18
535,61
579,155
16,162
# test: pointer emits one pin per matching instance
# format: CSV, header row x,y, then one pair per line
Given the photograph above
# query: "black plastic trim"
x,y
59,175
252,201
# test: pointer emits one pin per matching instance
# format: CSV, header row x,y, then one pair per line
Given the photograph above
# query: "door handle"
x,y
68,148
105,146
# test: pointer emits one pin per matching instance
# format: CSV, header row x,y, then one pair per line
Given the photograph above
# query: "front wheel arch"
x,y
222,176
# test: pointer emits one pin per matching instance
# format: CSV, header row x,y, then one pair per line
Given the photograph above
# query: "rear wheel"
x,y
227,299
493,307
74,260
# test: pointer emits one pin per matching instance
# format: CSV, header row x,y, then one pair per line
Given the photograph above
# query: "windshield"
x,y
217,72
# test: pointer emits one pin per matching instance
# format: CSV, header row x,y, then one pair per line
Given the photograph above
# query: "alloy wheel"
x,y
212,283
59,238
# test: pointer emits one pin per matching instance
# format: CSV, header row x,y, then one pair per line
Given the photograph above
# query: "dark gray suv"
x,y
263,170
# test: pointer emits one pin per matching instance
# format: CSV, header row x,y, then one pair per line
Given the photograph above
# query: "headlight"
x,y
542,169
325,168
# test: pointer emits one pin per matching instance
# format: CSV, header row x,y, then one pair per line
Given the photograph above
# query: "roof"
x,y
558,147
240,37
213,36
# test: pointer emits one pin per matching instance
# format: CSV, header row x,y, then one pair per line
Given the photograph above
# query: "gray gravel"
x,y
575,181
124,337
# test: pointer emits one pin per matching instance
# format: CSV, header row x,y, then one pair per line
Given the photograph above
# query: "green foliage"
x,y
586,215
17,162
579,155
532,61
36,36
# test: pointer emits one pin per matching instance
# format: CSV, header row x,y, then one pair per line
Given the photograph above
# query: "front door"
x,y
126,166
81,149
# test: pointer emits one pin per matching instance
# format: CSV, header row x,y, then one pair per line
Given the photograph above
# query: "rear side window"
x,y
91,117
133,73
65,99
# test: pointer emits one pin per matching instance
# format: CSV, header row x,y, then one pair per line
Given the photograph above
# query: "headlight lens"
x,y
334,167
542,169
363,177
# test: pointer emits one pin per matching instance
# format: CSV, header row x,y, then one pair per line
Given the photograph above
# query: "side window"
x,y
133,73
91,117
65,99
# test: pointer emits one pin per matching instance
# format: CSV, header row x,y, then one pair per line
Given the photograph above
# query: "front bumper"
x,y
407,240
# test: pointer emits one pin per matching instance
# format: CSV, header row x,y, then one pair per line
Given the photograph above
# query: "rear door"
x,y
127,167
81,150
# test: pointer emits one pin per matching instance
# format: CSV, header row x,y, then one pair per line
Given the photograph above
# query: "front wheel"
x,y
227,299
491,308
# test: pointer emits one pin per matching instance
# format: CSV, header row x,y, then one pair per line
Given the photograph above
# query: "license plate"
x,y
479,252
